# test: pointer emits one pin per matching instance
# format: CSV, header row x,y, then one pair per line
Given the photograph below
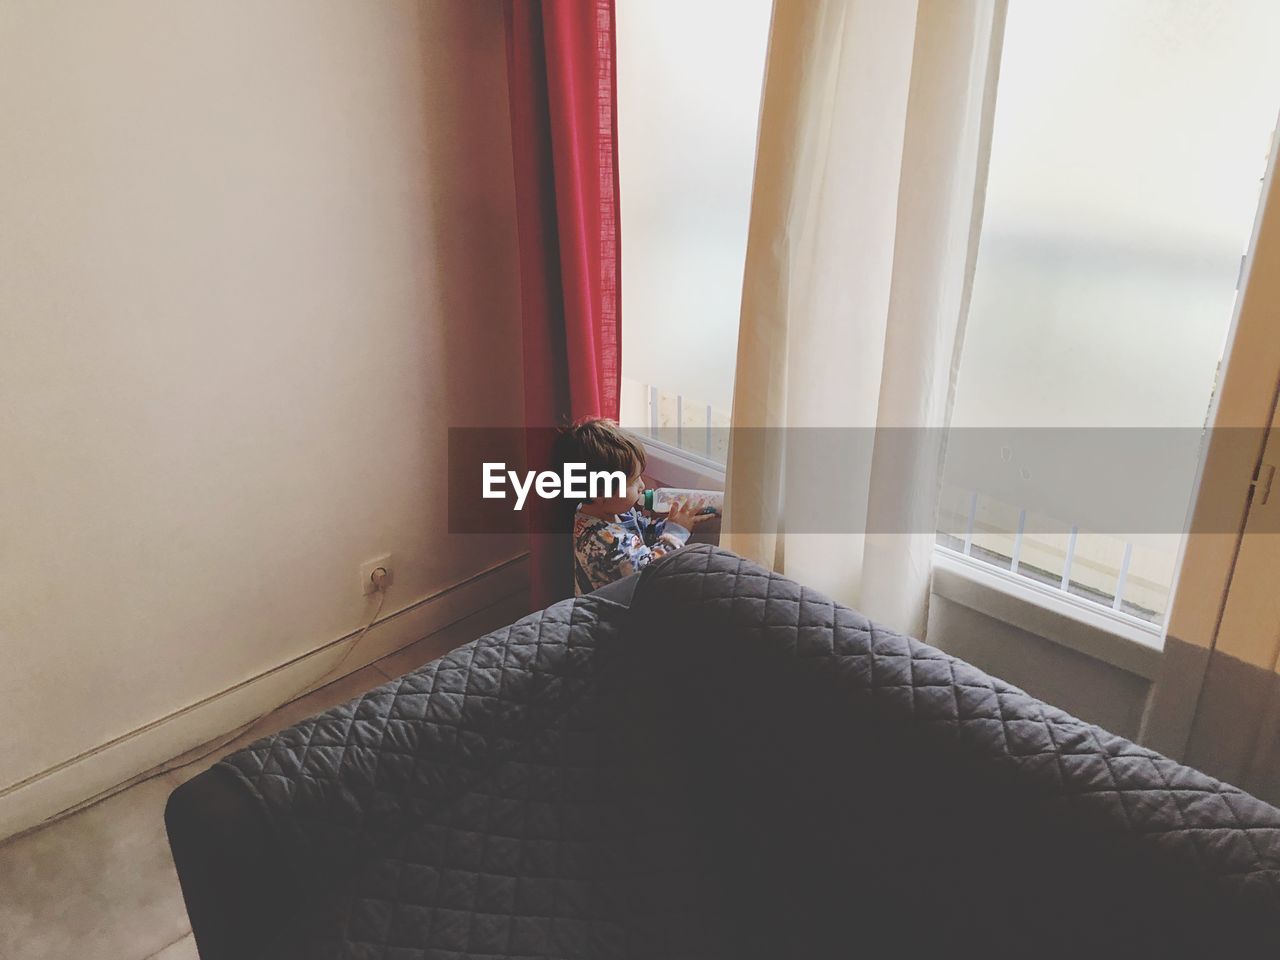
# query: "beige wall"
x,y
255,257
1084,686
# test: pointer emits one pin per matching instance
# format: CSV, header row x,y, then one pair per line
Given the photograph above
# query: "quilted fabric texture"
x,y
478,807
1229,835
736,766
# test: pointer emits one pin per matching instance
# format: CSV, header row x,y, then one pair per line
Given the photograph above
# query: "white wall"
x,y
255,258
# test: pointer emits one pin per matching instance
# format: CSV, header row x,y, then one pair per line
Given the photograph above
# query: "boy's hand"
x,y
686,513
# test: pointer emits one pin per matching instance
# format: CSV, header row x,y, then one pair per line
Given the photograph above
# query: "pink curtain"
x,y
563,94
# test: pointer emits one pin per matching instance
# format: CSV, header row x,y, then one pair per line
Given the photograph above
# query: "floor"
x,y
100,884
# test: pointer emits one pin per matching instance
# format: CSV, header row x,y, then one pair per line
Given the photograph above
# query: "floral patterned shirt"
x,y
605,551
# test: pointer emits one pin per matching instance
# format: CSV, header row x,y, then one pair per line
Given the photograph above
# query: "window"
x,y
1128,147
689,80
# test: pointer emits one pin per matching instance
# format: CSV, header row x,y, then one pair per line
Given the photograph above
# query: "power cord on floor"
x,y
380,578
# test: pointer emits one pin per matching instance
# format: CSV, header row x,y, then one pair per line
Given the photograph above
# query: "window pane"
x,y
689,79
1129,143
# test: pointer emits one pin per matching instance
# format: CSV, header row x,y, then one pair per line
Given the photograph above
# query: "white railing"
x,y
1157,577
695,427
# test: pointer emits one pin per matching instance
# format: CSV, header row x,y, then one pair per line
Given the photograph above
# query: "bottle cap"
x,y
648,499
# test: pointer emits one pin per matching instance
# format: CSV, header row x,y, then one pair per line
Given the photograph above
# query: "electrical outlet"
x,y
366,573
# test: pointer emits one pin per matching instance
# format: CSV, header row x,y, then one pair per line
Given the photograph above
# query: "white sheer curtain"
x,y
870,168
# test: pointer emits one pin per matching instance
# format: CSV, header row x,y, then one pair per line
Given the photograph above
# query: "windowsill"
x,y
680,468
1115,638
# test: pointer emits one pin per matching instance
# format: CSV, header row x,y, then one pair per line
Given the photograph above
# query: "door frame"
x,y
1231,458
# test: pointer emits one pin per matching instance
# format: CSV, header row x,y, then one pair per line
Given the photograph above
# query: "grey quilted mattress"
x,y
732,765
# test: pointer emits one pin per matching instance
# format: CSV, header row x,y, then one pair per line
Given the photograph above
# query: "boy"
x,y
611,538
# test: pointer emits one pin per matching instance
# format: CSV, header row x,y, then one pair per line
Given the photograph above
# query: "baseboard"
x,y
47,794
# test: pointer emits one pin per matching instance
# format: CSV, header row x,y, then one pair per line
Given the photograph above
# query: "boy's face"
x,y
635,487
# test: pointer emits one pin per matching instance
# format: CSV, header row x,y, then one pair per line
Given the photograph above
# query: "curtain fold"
x,y
562,90
871,165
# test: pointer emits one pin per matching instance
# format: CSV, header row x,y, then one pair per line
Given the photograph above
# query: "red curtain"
x,y
563,94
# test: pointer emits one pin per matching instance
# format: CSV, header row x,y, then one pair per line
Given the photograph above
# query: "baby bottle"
x,y
662,499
